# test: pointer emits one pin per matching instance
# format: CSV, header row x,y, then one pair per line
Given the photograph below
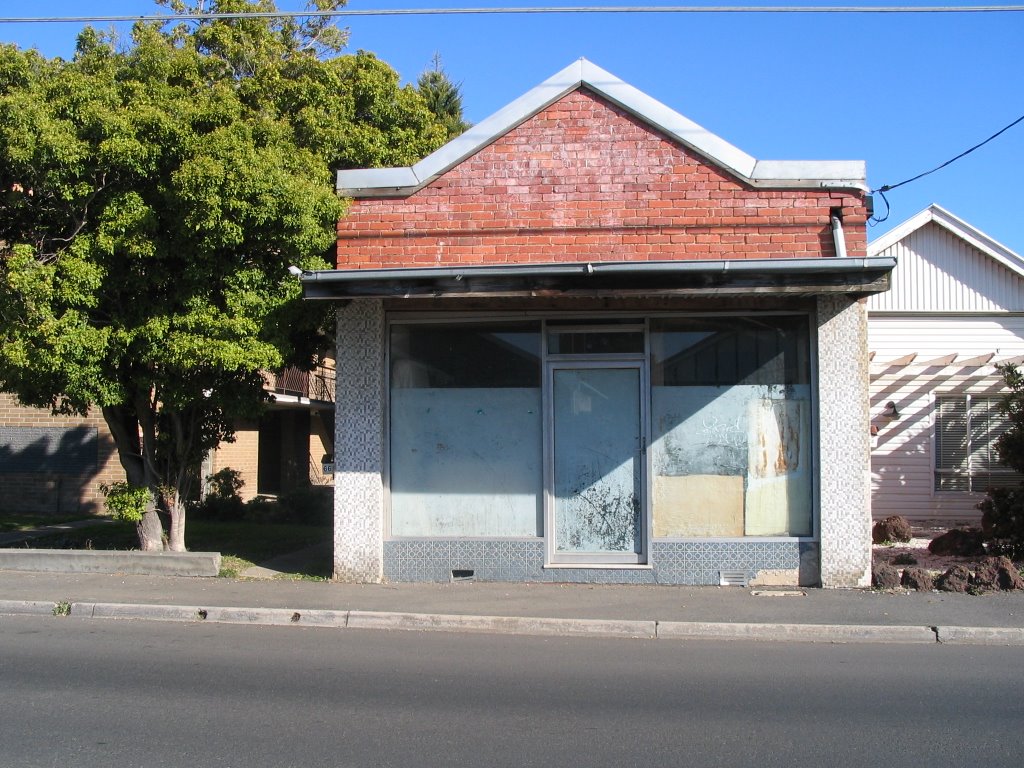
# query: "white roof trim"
x,y
386,182
939,215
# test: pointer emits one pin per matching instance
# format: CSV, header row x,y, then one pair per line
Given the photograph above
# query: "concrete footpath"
x,y
662,612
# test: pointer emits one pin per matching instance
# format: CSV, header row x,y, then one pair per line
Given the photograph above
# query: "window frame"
x,y
608,320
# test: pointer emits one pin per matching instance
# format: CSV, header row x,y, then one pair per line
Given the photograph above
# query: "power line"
x,y
543,9
888,187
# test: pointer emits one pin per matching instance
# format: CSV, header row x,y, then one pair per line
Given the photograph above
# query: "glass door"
x,y
597,444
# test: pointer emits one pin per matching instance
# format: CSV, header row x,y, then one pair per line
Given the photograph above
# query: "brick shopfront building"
x,y
590,341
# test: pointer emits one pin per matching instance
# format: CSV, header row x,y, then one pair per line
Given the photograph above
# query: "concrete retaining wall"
x,y
103,561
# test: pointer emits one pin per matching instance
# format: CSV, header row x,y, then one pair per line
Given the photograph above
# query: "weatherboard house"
x,y
955,311
589,341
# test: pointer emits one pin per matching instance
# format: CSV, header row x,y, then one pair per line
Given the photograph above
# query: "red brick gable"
x,y
582,180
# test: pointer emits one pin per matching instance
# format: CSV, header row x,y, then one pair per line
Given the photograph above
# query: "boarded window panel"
x,y
778,501
58,450
731,413
466,462
698,505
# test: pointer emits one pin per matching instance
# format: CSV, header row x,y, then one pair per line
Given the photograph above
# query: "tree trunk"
x,y
176,539
150,530
124,427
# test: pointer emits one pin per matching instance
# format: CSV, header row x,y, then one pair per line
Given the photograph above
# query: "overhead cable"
x,y
887,187
164,17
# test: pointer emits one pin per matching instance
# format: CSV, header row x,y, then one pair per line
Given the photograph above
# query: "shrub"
x,y
1002,522
1002,510
222,501
263,509
309,505
225,483
125,502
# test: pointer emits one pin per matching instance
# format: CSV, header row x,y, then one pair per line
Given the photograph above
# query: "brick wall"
x,y
584,181
303,448
321,443
58,489
241,455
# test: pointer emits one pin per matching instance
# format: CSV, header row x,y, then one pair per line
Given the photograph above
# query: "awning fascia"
x,y
852,276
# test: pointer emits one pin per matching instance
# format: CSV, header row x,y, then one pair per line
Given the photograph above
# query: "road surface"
x,y
78,692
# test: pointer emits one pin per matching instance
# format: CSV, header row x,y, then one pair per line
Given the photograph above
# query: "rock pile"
x,y
992,574
894,528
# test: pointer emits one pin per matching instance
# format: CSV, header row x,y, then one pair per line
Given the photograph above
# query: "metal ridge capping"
x,y
788,174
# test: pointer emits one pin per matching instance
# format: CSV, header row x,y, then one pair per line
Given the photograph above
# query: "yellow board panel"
x,y
698,505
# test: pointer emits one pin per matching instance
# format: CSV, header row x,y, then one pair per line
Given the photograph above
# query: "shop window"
x,y
966,430
466,429
731,417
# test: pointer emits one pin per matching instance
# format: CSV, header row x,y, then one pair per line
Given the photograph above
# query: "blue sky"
x,y
904,92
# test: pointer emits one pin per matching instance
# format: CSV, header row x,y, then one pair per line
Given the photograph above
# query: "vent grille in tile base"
x,y
733,578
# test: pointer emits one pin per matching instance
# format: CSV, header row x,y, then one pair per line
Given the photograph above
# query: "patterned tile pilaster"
x,y
844,443
359,443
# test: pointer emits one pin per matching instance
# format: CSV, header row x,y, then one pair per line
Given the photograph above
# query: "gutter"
x,y
717,266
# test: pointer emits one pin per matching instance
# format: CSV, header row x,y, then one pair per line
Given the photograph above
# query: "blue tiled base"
x,y
692,563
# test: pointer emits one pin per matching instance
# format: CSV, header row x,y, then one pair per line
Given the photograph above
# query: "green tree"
x,y
152,195
1002,509
443,97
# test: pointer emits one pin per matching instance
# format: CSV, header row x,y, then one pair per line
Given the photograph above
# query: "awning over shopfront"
x,y
790,277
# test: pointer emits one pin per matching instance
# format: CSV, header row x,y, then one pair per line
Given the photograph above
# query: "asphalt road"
x,y
132,693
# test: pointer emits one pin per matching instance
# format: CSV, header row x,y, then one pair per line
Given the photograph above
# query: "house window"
x,y
966,430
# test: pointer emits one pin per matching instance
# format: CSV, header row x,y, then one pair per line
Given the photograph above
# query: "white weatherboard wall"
x,y
955,309
902,463
938,271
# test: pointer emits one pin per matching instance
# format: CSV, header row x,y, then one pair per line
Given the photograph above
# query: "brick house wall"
x,y
583,180
63,461
300,466
241,455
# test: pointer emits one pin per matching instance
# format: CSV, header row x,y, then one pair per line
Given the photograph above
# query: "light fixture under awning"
x,y
797,277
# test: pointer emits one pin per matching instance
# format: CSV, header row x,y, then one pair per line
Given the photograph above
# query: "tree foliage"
x,y
1002,509
152,195
443,97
